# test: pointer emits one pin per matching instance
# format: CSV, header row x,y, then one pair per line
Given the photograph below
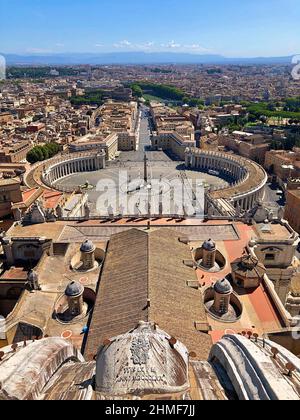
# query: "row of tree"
x,y
93,97
289,109
165,92
38,72
292,140
41,153
161,91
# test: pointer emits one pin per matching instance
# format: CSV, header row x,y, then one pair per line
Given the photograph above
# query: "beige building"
x,y
15,153
5,117
275,246
168,120
10,193
107,143
172,142
292,209
283,164
248,145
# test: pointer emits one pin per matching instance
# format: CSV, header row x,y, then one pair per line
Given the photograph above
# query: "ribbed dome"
x,y
249,262
144,361
209,245
223,287
74,289
87,246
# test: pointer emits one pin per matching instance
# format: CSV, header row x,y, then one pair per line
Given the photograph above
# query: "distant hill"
x,y
136,58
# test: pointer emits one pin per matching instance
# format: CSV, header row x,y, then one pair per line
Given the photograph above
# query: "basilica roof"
x,y
144,279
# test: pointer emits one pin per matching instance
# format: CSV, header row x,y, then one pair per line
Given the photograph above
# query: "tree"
x,y
40,153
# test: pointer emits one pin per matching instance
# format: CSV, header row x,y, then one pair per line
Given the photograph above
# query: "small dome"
x,y
223,287
74,289
32,276
87,246
209,245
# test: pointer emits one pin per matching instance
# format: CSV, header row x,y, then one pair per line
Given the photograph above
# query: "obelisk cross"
x,y
145,169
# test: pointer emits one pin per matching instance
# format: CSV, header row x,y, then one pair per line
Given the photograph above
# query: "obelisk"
x,y
145,169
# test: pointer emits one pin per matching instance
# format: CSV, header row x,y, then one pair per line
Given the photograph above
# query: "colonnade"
x,y
70,165
235,167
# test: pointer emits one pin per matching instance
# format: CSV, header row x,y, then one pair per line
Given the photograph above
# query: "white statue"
x,y
87,211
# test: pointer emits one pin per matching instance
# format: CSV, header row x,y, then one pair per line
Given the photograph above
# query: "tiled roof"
x,y
142,268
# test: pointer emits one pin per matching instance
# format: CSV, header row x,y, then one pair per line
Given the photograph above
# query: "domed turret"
x,y
87,250
223,287
209,245
223,291
74,294
74,289
209,254
87,246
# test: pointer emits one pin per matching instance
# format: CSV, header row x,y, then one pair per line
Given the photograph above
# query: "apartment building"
x,y
168,120
14,152
283,164
248,145
292,209
10,192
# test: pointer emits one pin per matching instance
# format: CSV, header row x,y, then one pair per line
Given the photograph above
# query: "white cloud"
x,y
196,47
38,51
151,46
59,45
134,46
99,45
173,45
123,44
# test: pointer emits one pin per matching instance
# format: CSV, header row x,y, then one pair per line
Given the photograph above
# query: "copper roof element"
x,y
87,246
223,287
74,289
209,245
142,266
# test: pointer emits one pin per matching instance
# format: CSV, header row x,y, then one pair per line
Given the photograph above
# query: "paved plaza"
x,y
170,188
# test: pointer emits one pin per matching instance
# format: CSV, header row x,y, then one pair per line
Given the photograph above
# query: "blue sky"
x,y
234,28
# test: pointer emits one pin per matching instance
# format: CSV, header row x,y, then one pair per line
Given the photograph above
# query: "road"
x,y
272,199
144,136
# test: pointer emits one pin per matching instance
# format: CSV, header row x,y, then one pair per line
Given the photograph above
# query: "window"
x,y
270,257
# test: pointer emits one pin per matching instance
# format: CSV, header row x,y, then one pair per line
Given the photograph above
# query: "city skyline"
x,y
264,28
